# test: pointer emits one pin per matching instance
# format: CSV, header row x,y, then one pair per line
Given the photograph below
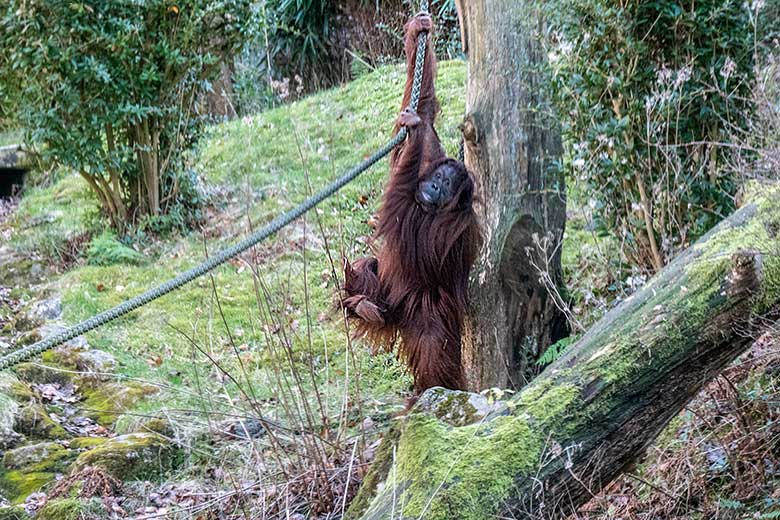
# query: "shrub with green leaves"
x,y
651,95
108,88
106,249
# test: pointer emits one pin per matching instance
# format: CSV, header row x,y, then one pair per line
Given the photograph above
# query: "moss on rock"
x,y
34,421
18,485
29,468
35,373
37,458
134,456
157,425
71,509
86,443
105,402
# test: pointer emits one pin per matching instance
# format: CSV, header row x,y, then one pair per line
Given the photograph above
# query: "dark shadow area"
x,y
11,181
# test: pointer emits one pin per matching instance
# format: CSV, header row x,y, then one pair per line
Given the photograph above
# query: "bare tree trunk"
x,y
592,413
513,147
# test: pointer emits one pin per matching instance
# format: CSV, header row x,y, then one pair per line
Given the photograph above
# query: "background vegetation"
x,y
651,94
124,77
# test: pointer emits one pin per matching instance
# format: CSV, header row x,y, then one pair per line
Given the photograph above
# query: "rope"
x,y
18,356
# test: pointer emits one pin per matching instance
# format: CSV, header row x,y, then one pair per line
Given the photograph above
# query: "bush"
x,y
649,94
106,249
109,88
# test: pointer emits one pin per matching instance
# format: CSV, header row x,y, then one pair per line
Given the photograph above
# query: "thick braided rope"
x,y
12,358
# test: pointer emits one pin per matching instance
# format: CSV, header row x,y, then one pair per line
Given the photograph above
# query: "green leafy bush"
x,y
651,95
109,88
106,249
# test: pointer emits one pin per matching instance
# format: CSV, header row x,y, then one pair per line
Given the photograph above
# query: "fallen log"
x,y
592,413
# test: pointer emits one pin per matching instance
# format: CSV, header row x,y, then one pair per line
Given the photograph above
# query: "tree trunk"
x,y
513,147
592,413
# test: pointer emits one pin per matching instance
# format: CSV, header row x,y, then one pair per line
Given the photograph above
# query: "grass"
x,y
50,216
10,137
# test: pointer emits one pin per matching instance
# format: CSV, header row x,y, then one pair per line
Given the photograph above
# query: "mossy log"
x,y
592,413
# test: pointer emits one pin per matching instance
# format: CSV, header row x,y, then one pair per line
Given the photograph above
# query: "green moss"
x,y
21,392
157,425
34,421
71,509
761,234
133,456
38,458
106,402
380,469
18,485
29,468
81,443
548,401
468,470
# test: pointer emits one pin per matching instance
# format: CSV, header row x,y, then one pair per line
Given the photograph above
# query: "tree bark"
x,y
513,146
592,413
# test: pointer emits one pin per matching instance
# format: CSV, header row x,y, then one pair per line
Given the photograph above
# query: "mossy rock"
x,y
38,458
15,270
455,407
8,410
156,425
86,443
23,323
135,456
17,485
14,513
31,467
21,392
106,401
34,373
71,509
9,407
34,421
28,338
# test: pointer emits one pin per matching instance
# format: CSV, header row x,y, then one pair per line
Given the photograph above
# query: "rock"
x,y
33,420
50,309
86,443
8,410
38,374
134,456
95,361
36,270
45,456
29,468
105,402
455,407
9,439
157,425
